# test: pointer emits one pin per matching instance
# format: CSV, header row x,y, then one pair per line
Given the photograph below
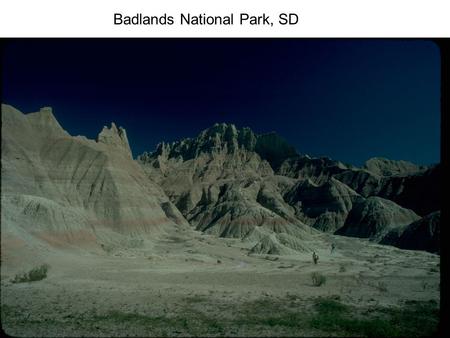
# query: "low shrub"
x,y
318,279
424,285
33,275
381,286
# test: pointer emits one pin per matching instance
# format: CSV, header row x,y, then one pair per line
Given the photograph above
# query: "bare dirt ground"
x,y
189,284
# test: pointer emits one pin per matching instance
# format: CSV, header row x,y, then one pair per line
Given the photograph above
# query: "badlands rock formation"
x,y
409,191
58,189
384,167
324,206
279,244
317,170
399,181
222,185
233,183
423,234
374,217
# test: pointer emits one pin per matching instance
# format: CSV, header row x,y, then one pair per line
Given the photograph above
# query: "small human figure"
x,y
315,257
333,246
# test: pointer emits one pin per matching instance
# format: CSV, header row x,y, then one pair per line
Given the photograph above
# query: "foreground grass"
x,y
325,316
330,316
414,320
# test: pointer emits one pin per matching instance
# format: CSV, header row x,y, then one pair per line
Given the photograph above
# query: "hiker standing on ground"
x,y
315,257
333,246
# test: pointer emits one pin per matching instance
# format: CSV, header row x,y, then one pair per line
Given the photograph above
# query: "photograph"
x,y
221,187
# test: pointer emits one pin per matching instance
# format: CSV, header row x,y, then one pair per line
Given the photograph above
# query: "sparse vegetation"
x,y
195,299
424,285
329,306
108,248
270,258
419,319
328,316
288,266
318,279
371,260
292,297
380,286
359,279
33,275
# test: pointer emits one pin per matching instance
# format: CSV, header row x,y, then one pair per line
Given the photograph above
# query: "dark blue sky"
x,y
346,99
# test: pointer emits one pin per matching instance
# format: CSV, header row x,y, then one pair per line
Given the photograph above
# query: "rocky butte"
x,y
59,189
234,183
228,182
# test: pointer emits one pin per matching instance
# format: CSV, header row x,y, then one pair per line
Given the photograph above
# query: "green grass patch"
x,y
414,320
195,299
191,322
325,317
327,306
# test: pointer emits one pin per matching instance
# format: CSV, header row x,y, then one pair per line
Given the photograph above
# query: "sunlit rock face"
x,y
59,188
232,182
221,184
384,167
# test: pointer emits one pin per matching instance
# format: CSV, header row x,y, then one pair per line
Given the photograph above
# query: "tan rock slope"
x,y
221,185
374,217
384,167
234,183
59,189
400,181
326,206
